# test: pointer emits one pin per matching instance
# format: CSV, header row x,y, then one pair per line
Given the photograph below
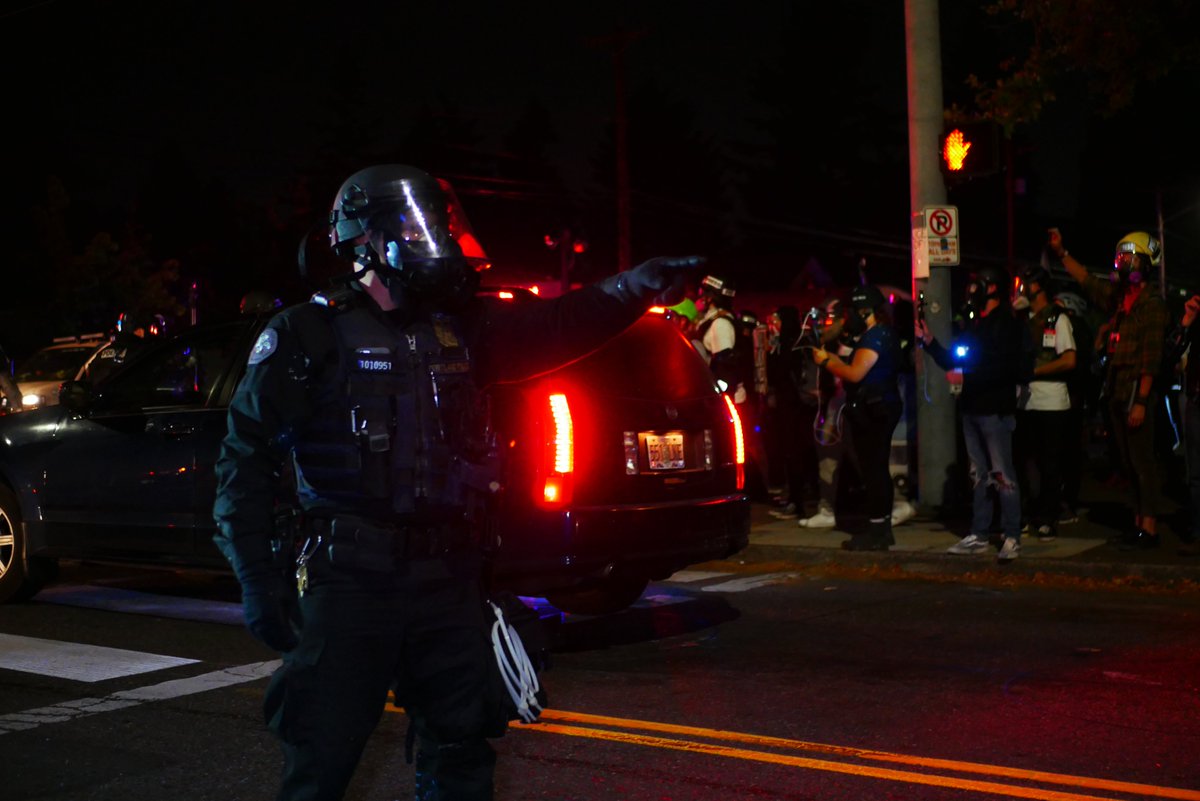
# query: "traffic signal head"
x,y
969,150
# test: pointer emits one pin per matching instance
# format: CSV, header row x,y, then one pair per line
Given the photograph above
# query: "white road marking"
x,y
82,707
749,582
115,599
688,576
76,661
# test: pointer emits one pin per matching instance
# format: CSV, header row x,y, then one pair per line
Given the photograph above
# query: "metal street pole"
x,y
936,430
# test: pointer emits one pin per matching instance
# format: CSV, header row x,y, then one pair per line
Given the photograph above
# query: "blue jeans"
x,y
988,438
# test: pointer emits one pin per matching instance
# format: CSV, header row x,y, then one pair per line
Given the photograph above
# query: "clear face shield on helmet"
x,y
410,229
1126,267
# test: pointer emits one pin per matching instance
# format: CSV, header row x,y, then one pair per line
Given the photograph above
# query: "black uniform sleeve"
x,y
272,402
520,340
939,354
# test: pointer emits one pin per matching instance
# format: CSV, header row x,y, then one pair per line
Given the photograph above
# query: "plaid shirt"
x,y
1136,340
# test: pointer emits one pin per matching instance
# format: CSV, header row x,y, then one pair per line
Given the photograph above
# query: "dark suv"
x,y
124,471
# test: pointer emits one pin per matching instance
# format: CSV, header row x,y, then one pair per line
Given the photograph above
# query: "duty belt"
x,y
370,544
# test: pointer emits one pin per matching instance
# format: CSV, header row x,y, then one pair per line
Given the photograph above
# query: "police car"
x,y
618,469
40,376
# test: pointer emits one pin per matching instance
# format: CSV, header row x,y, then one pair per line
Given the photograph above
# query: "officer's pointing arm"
x,y
540,336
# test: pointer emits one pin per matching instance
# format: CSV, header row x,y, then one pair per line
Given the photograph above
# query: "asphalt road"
x,y
746,680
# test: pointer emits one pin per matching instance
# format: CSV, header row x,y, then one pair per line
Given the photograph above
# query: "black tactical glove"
x,y
269,603
662,280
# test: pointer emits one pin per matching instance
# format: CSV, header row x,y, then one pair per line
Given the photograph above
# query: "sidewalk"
x,y
1081,550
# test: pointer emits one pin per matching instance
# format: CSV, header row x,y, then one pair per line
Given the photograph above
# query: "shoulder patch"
x,y
268,340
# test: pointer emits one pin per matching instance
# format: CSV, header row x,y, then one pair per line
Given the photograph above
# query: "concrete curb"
x,y
920,551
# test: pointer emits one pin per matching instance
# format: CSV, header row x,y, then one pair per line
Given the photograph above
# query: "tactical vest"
x,y
406,436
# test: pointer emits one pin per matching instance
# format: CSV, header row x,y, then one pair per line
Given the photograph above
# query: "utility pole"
x,y
621,126
936,431
617,44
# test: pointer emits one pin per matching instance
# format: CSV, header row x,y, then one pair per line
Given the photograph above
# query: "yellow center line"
x,y
882,756
1016,791
1011,790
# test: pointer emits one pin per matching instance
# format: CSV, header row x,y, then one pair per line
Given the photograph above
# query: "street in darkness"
x,y
733,680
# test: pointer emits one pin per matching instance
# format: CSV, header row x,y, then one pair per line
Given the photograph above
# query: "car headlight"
x,y
32,401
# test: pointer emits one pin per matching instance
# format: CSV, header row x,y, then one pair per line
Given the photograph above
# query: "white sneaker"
x,y
822,519
1010,550
972,543
902,512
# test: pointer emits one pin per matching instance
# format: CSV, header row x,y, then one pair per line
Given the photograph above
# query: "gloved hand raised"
x,y
269,602
661,280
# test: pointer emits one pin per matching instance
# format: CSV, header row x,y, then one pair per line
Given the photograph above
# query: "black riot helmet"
x,y
407,226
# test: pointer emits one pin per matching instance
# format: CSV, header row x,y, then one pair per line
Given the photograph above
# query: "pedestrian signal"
x,y
970,150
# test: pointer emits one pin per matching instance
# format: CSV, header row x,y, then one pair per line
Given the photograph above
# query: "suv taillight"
x,y
739,442
558,455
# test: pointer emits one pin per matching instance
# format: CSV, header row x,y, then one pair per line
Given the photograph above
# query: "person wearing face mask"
x,y
1137,332
370,397
790,407
873,408
987,362
1043,419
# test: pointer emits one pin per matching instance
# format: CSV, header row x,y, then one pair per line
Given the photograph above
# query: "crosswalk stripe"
x,y
116,599
76,661
83,707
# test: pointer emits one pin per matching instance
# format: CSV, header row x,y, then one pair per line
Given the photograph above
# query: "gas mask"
x,y
1127,270
408,228
977,298
1136,253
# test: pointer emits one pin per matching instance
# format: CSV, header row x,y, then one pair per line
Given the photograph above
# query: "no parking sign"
x,y
941,234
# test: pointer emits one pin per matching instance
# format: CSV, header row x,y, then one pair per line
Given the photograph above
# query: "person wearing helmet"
x,y
1134,356
717,331
988,362
369,396
873,408
1045,405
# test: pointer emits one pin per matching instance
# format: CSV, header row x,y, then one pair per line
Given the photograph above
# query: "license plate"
x,y
665,451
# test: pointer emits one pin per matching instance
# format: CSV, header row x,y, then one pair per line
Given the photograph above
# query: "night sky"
x,y
763,136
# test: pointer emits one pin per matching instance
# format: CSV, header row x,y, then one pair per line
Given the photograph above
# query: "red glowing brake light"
x,y
558,461
739,442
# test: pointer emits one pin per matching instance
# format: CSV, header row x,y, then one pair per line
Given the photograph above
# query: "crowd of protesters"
x,y
1037,370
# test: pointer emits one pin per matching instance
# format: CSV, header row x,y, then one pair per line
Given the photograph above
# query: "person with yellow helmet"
x,y
1133,358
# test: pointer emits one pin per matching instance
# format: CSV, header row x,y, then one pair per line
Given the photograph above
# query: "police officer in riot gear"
x,y
370,397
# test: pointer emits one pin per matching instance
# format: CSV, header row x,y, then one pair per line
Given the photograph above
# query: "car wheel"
x,y
600,596
20,578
